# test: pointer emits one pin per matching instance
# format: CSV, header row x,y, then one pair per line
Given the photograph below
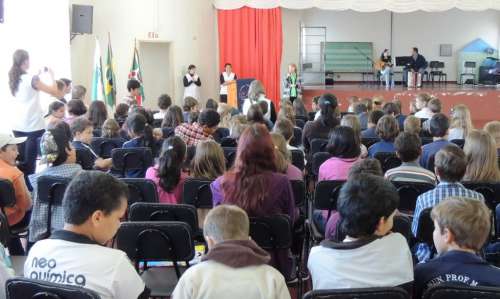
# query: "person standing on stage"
x,y
28,121
417,64
192,83
293,83
386,70
227,77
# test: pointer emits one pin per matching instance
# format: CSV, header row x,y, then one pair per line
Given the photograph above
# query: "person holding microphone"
x,y
28,110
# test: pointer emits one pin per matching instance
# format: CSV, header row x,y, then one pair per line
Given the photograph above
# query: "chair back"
x,y
387,160
408,193
197,192
38,289
4,231
220,133
297,137
125,159
369,141
425,227
271,233
326,195
490,191
317,160
365,293
156,241
469,65
459,142
402,225
228,142
230,155
426,140
7,194
147,211
50,190
300,122
84,158
140,190
318,145
103,146
299,192
433,65
167,132
461,291
298,158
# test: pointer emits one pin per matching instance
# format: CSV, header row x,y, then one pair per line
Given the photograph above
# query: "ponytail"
x,y
170,163
328,104
137,123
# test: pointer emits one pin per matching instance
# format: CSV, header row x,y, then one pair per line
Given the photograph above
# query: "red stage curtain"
x,y
251,40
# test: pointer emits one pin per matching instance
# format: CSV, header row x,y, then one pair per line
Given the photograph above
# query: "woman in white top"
x,y
461,122
256,93
192,83
28,110
227,77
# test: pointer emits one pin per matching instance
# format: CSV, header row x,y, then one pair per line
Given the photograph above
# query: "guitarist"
x,y
384,65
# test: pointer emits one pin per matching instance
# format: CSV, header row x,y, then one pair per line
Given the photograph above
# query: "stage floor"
x,y
483,101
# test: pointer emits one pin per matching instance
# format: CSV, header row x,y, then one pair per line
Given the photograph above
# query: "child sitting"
x,y
373,119
370,255
387,130
81,129
408,149
439,125
461,227
493,128
164,102
93,205
234,267
284,127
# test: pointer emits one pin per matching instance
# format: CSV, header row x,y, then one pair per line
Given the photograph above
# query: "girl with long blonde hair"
x,y
481,154
460,122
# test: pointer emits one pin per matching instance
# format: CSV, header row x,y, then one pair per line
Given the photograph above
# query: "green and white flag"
x,y
97,85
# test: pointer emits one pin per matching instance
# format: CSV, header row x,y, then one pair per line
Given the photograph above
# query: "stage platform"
x,y
483,101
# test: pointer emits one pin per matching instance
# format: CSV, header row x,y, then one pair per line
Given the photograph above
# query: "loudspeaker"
x,y
81,21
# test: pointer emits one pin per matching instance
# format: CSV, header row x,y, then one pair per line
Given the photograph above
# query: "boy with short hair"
x,y
93,204
438,127
134,90
81,129
164,101
189,106
408,149
450,165
201,130
461,227
370,255
234,267
373,119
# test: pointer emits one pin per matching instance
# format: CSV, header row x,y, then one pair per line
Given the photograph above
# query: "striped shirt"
x,y
430,199
411,172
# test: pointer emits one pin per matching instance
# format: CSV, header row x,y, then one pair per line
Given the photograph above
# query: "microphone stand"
x,y
368,61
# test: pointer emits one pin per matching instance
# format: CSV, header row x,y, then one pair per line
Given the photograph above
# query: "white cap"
x,y
7,139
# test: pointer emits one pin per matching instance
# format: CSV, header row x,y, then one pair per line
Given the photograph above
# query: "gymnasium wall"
x,y
422,29
189,27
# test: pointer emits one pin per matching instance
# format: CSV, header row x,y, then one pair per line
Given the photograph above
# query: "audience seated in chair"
x,y
460,122
285,127
450,165
164,102
408,149
373,119
370,255
168,174
461,228
421,102
254,183
234,267
352,121
412,124
481,155
81,128
387,130
439,125
493,128
203,129
60,156
394,109
321,127
189,107
93,205
283,158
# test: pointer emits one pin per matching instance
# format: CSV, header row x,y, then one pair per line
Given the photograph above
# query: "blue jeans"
x,y
387,75
28,151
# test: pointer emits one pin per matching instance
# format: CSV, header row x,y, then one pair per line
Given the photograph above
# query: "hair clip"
x,y
170,147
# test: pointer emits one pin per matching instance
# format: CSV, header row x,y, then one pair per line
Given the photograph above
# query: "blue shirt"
x,y
381,146
455,267
369,133
429,150
430,199
401,121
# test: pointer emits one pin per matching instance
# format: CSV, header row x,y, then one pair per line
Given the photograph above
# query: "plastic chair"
x,y
103,146
140,190
387,160
461,291
126,160
298,158
365,293
25,288
469,71
408,193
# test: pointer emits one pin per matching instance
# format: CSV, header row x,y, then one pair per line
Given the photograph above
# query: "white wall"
x,y
422,29
189,25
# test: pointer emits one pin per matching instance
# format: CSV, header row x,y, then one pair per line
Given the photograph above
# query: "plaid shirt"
x,y
192,134
40,213
430,199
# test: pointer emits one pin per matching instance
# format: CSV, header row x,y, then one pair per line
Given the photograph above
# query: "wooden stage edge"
x,y
483,101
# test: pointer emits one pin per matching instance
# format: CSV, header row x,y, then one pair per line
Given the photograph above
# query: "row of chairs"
x,y
32,289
